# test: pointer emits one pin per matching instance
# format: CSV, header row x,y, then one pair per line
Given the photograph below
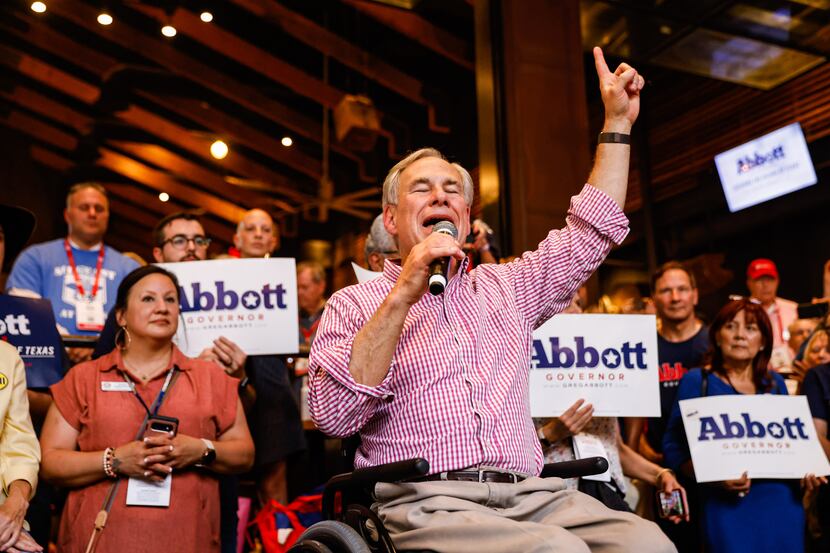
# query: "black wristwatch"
x,y
209,456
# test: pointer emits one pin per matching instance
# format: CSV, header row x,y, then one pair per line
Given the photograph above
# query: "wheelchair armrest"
x,y
359,479
575,469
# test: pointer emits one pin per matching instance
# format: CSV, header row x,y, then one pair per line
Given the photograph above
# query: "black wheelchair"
x,y
350,526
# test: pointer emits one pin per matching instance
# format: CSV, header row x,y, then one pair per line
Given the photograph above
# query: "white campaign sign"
x,y
609,361
252,302
765,168
364,275
768,436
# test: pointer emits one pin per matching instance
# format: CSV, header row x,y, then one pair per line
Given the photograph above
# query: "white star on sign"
x,y
612,358
776,431
250,299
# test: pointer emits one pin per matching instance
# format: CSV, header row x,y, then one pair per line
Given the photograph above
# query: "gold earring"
x,y
122,338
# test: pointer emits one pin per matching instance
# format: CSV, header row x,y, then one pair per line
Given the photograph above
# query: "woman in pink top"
x,y
89,439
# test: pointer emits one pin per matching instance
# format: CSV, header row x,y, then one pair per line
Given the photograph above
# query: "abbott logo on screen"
x,y
220,299
748,163
580,356
711,429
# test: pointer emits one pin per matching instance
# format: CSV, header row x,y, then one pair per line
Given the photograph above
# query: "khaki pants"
x,y
534,516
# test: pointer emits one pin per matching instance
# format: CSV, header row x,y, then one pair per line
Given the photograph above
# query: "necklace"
x,y
149,375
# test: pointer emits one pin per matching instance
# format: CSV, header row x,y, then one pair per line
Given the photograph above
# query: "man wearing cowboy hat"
x,y
19,449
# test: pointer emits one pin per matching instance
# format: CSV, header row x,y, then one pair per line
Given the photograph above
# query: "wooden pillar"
x,y
538,137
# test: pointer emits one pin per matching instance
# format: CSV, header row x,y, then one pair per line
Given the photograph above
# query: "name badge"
x,y
115,386
89,314
149,494
588,445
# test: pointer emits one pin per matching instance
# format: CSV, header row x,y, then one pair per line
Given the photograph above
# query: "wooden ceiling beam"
x,y
133,213
230,45
245,53
163,182
237,131
413,26
197,174
92,60
40,130
47,107
200,146
49,75
49,158
175,61
331,44
140,197
59,44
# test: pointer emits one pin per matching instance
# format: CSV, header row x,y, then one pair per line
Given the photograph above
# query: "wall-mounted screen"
x,y
765,168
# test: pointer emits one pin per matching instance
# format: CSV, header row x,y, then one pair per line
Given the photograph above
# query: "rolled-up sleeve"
x,y
19,448
339,406
546,279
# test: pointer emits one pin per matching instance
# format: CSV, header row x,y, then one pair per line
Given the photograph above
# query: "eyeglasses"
x,y
734,297
180,241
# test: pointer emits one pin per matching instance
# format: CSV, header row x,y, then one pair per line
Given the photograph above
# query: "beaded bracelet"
x,y
109,455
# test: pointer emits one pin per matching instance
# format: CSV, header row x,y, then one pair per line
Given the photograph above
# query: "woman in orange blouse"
x,y
89,439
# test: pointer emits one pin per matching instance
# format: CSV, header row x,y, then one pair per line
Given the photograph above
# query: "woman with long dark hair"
x,y
743,514
141,433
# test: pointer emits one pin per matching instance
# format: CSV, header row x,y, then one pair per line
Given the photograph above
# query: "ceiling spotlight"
x,y
219,149
105,18
286,141
169,31
38,7
206,16
164,196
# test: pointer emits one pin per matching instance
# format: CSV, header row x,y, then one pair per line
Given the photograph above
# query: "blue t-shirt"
x,y
676,359
45,270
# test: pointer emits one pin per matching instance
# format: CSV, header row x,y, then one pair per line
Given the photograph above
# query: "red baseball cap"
x,y
761,267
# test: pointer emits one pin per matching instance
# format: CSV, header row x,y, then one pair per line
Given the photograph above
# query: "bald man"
x,y
275,419
256,235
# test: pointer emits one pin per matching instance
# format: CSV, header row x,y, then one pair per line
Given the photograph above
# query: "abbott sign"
x,y
608,360
768,167
252,302
768,436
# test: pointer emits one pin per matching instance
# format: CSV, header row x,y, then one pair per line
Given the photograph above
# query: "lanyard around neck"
x,y
159,398
98,267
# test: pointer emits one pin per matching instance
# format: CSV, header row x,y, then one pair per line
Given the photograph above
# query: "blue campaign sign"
x,y
29,325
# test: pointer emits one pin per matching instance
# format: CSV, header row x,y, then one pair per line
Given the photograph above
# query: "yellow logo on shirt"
x,y
4,381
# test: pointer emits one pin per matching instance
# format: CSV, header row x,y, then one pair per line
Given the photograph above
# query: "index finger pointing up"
x,y
599,62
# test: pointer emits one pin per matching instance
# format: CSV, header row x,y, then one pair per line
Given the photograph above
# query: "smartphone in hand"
x,y
158,425
670,504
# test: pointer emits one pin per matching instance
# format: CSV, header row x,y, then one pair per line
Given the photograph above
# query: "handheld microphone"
x,y
439,268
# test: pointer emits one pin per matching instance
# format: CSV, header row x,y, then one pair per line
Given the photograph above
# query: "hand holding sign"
x,y
572,421
739,486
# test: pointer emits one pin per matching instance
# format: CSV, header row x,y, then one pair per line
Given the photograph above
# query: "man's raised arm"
x,y
620,92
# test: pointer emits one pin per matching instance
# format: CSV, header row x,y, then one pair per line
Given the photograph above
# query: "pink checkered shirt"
x,y
457,390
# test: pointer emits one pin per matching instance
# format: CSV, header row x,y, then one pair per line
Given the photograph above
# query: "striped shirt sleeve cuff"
x,y
598,209
333,362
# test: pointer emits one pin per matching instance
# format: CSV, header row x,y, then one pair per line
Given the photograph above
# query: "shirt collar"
x,y
75,246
